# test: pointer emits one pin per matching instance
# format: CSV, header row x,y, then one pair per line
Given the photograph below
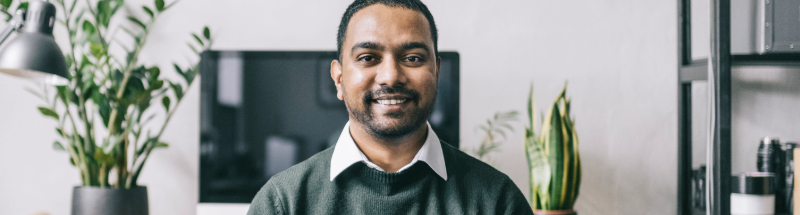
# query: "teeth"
x,y
390,101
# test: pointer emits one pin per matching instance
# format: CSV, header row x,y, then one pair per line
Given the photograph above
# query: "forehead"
x,y
387,25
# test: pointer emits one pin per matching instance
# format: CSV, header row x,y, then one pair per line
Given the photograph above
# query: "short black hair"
x,y
357,5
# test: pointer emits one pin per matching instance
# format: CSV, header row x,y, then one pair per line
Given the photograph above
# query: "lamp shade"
x,y
35,56
33,53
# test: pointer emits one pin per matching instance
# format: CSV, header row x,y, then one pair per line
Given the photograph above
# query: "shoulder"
x,y
465,171
485,183
277,192
463,166
315,168
273,196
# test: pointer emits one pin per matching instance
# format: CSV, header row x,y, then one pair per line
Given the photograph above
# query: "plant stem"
x,y
5,12
103,175
82,164
71,149
127,75
122,159
138,169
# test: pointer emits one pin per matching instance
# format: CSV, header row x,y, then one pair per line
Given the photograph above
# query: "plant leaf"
x,y
189,76
148,11
539,171
207,33
63,94
197,38
96,50
154,72
157,85
170,5
88,27
134,35
103,157
58,147
161,145
85,62
48,112
178,69
532,111
165,101
177,89
193,48
117,4
78,16
23,5
104,12
160,5
139,23
6,3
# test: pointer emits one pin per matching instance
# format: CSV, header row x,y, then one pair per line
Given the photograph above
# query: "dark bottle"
x,y
699,185
770,158
788,176
768,155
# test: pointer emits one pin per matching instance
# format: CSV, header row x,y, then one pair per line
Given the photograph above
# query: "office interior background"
x,y
619,56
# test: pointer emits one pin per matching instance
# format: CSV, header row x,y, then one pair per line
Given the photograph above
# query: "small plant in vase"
x,y
553,158
106,113
494,134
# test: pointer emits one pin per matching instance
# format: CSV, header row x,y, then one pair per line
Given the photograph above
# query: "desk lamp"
x,y
33,53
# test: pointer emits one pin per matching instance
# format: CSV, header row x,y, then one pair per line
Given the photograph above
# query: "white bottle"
x,y
753,193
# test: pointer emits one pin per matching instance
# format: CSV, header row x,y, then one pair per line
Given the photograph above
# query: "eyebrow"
x,y
404,46
367,45
415,45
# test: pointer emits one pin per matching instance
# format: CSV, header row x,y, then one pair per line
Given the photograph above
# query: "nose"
x,y
390,73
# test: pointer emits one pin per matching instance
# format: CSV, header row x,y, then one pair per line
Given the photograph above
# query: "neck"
x,y
390,155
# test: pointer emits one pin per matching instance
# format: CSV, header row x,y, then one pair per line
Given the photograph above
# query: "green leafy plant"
x,y
103,113
553,159
494,134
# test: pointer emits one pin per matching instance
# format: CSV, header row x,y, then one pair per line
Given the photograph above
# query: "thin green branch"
x,y
81,99
5,12
138,169
127,75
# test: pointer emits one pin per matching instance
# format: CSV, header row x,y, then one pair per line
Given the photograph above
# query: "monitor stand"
x,y
221,208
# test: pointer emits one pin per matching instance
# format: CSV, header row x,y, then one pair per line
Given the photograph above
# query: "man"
x,y
387,159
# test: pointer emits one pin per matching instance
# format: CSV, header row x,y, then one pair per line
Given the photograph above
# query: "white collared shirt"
x,y
346,153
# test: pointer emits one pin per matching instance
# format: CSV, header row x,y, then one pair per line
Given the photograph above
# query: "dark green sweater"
x,y
472,187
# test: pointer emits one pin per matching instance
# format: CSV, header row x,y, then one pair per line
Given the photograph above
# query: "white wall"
x,y
618,55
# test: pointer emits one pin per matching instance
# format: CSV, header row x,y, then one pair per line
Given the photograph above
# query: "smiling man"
x,y
388,160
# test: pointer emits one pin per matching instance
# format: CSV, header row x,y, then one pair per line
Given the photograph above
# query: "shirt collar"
x,y
346,153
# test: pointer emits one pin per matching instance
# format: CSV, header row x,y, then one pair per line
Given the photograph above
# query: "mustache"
x,y
385,89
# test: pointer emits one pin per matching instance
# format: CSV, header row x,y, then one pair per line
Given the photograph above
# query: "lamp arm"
x,y
15,24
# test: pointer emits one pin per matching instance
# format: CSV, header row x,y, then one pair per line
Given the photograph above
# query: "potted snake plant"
x,y
553,158
104,119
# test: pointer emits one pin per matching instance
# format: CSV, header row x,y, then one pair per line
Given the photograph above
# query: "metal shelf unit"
x,y
690,71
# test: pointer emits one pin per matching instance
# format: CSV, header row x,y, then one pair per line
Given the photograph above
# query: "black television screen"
x,y
264,111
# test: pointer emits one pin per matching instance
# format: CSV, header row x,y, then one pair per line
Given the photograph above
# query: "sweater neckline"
x,y
414,173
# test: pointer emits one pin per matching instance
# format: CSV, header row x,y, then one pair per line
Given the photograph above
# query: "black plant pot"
x,y
555,212
109,201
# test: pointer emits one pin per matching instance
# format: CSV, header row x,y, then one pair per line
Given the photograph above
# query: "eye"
x,y
366,58
413,59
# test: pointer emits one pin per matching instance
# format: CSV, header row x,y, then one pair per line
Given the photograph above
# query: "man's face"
x,y
388,70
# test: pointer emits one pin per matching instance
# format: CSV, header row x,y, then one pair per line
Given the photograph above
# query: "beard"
x,y
404,122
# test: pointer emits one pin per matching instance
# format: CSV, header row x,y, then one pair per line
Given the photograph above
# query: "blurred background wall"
x,y
619,56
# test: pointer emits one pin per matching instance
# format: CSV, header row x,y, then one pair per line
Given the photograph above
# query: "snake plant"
x,y
553,159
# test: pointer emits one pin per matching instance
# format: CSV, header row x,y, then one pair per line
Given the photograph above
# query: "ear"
x,y
336,75
438,66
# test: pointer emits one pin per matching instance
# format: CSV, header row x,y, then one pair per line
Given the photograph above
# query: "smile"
x,y
390,101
